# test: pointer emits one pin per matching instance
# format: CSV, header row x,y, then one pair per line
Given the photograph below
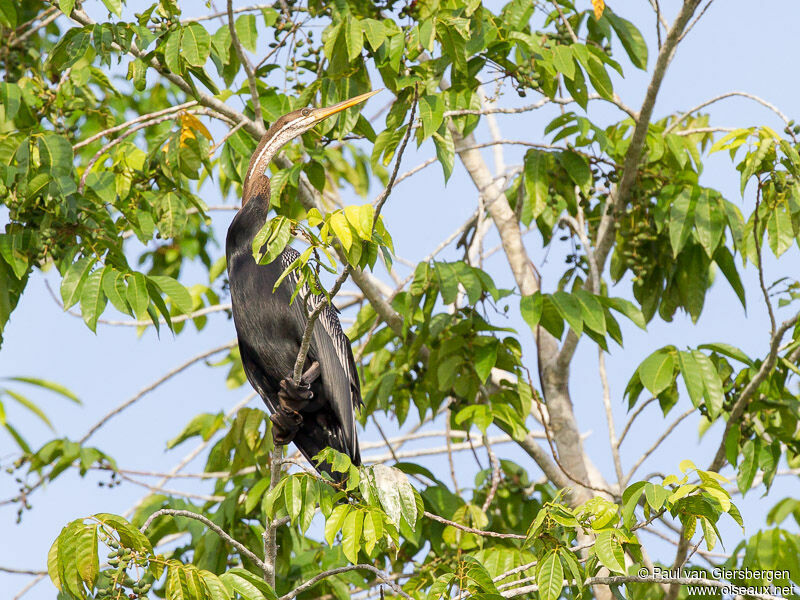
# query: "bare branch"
x,y
254,128
180,368
190,456
248,66
635,414
126,124
29,586
14,571
565,22
606,231
495,474
480,532
750,389
118,140
655,445
243,550
612,432
360,567
747,95
695,20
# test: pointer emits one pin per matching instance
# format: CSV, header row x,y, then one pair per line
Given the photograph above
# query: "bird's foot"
x,y
294,396
285,425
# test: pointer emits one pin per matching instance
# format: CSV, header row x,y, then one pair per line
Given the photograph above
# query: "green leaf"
x,y
87,558
27,404
726,264
531,309
627,308
8,15
577,167
484,359
137,295
172,51
569,308
550,577
354,37
692,377
395,494
74,279
293,497
195,44
729,351
178,294
341,228
609,551
631,38
351,534
445,150
115,289
172,216
714,395
114,6
271,240
10,93
335,521
215,587
563,61
630,499
431,112
780,230
48,385
375,32
93,300
592,311
747,467
709,222
129,536
246,30
656,371
681,220
536,184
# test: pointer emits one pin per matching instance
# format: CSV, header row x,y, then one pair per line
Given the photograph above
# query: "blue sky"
x,y
737,46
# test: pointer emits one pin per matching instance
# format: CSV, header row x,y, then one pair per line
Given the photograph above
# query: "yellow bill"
x,y
324,113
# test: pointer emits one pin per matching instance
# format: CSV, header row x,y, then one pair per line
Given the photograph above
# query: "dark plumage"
x,y
270,329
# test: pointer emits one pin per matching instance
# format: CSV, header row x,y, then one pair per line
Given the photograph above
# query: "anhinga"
x,y
270,328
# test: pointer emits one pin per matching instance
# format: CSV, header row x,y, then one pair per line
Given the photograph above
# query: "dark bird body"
x,y
270,327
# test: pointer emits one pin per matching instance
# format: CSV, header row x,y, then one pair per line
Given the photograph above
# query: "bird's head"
x,y
288,127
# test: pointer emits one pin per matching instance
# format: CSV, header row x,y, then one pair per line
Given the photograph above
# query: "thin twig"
x,y
126,124
244,550
248,66
360,567
170,374
480,532
655,445
384,195
565,22
612,433
635,414
495,474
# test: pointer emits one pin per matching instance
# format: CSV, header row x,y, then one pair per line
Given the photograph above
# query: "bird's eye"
x,y
305,112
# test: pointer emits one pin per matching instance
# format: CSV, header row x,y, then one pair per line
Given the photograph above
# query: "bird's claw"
x,y
285,424
297,391
287,420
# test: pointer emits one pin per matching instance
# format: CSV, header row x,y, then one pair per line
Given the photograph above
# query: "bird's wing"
x,y
331,347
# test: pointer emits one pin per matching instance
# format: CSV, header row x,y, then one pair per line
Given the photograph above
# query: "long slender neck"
x,y
256,181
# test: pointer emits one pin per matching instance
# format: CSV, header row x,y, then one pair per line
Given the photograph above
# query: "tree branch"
x,y
360,567
93,429
246,64
244,550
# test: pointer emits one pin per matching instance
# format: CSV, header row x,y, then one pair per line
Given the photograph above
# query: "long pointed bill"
x,y
324,113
